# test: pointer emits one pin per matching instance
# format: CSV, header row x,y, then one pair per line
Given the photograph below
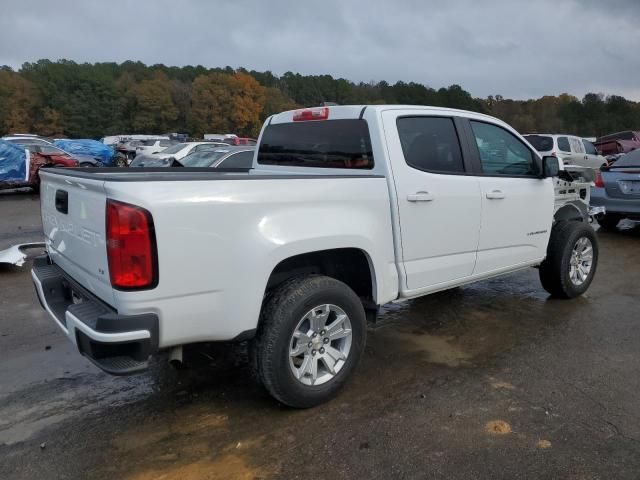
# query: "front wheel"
x,y
572,258
311,336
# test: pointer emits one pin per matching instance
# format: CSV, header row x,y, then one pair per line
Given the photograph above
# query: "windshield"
x,y
203,159
175,149
542,143
319,144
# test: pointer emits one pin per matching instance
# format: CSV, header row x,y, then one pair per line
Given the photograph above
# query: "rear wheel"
x,y
609,221
572,258
311,336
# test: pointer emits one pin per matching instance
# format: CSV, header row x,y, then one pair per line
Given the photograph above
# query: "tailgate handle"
x,y
62,201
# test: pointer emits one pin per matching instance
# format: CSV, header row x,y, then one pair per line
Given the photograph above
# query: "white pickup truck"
x,y
346,208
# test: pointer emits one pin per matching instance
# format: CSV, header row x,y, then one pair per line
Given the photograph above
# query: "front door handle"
x,y
420,197
495,195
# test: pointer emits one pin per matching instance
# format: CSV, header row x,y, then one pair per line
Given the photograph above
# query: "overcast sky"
x,y
518,49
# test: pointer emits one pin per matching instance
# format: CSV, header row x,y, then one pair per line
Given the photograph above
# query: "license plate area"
x,y
629,187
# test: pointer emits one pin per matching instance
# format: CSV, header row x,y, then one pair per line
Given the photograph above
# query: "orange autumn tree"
x,y
222,103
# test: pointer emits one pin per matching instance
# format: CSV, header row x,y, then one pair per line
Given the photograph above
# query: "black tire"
x,y
555,270
609,221
86,165
281,313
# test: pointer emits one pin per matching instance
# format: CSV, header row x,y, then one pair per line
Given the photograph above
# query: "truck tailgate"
x,y
73,219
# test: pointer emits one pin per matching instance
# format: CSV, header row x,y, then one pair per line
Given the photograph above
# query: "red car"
x,y
54,155
617,143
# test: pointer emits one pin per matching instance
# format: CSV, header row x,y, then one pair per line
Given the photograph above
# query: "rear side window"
x,y
563,144
576,145
430,144
238,160
542,143
501,152
319,144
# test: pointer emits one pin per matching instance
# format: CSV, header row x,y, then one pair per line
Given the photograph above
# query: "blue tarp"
x,y
88,147
13,163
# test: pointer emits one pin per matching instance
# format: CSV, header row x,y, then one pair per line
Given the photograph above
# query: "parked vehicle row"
x,y
177,151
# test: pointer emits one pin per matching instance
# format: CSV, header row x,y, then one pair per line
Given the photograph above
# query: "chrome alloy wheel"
x,y
581,261
320,344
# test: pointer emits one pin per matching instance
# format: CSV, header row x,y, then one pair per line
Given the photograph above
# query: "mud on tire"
x,y
562,258
281,315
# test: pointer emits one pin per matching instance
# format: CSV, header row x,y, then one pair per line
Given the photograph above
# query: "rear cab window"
x,y
340,143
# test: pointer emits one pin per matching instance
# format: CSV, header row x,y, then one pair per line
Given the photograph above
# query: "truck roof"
x,y
357,111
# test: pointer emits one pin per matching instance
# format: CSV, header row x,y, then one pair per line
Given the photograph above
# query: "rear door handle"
x,y
420,197
495,195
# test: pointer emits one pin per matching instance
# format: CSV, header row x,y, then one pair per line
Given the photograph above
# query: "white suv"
x,y
570,149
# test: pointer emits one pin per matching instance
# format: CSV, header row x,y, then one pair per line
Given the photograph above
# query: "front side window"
x,y
50,150
589,147
430,144
320,144
563,144
501,152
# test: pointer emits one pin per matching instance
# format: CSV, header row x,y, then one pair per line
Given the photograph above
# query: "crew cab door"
x,y
517,204
438,202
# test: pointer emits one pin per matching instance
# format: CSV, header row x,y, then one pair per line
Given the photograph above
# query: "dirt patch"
x,y
500,385
543,444
497,427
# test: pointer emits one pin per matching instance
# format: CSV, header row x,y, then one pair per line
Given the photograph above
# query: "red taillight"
x,y
130,246
599,182
321,113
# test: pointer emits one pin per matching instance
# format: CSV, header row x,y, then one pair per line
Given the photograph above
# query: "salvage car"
x,y
569,149
19,168
617,189
618,143
345,209
175,152
223,157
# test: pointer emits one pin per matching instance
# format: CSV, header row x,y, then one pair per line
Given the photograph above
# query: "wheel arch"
x,y
351,265
571,212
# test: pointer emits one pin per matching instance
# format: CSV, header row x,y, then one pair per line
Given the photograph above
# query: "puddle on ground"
x,y
441,350
227,467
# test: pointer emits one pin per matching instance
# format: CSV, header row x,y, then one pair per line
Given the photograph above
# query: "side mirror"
x,y
550,167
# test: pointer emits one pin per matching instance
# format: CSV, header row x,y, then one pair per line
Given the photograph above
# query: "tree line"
x,y
83,100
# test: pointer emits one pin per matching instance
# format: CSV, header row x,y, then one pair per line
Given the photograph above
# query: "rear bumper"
x,y
619,206
118,344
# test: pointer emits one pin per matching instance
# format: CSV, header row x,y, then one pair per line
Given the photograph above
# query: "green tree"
x,y
154,110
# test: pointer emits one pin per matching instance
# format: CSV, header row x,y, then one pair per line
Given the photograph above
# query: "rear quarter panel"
x,y
219,241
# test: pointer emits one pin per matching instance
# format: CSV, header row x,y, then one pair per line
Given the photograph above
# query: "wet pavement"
x,y
492,380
